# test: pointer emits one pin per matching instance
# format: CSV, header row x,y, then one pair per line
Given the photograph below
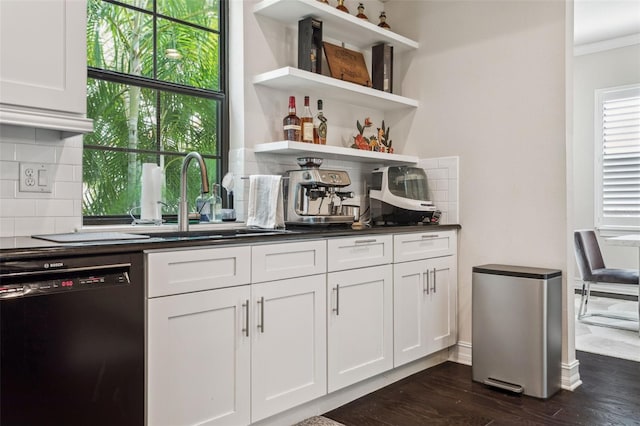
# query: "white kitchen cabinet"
x,y
288,344
359,325
198,363
43,68
359,252
182,271
424,295
270,262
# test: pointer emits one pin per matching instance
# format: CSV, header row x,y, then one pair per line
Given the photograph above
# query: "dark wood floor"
x,y
445,395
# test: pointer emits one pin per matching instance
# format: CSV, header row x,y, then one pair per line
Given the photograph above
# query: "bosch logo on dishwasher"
x,y
53,265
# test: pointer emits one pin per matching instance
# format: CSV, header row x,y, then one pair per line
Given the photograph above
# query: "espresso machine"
x,y
314,196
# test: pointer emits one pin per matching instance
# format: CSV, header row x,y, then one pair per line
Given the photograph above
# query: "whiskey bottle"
x,y
383,21
361,14
306,123
320,126
291,123
341,6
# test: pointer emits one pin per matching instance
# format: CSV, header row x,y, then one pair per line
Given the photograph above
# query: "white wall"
x,y
490,77
610,68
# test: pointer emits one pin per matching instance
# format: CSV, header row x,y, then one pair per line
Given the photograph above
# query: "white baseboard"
x,y
571,375
461,353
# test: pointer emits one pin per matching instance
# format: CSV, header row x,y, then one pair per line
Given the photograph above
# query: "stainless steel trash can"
x,y
517,328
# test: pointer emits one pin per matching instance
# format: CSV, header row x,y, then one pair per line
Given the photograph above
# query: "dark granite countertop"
x,y
26,247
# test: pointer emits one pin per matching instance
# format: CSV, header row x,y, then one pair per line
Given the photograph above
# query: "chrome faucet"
x,y
183,211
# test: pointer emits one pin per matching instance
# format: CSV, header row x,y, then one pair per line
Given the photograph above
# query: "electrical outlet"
x,y
35,177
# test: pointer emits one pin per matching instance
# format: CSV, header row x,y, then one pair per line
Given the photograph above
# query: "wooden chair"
x,y
593,270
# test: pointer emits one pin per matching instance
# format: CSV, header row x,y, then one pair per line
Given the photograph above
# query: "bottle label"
x,y
291,127
307,132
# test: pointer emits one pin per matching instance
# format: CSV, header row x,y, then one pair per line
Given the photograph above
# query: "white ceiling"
x,y
598,20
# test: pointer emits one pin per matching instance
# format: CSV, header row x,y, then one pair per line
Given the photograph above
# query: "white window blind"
x,y
618,158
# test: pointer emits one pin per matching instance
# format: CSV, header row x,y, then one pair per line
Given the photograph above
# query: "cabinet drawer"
x,y
423,245
184,271
359,252
288,260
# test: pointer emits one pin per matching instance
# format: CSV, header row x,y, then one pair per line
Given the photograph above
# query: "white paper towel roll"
x,y
151,192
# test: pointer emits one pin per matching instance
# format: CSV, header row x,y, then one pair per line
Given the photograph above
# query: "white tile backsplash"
x,y
24,213
442,185
442,177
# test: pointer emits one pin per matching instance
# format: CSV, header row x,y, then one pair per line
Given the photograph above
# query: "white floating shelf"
x,y
334,152
290,78
335,24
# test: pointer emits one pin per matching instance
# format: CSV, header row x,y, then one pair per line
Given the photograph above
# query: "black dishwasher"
x,y
72,341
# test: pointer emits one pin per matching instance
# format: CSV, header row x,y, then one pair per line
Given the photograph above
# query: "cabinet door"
x,y
360,325
425,303
44,54
288,344
198,365
442,306
410,300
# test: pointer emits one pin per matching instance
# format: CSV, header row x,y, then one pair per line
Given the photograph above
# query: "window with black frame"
x,y
156,91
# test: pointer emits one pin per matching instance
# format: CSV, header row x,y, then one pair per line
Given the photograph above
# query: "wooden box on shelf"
x,y
345,64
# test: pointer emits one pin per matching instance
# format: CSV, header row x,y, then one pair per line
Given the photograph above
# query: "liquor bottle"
x,y
383,21
320,126
361,14
306,123
341,6
291,123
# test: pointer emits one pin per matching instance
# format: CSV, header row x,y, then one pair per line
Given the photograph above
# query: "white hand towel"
x,y
265,209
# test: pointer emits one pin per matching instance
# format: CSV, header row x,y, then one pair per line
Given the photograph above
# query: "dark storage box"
x,y
310,45
382,67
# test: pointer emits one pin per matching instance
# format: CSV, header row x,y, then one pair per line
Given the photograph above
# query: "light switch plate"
x,y
35,177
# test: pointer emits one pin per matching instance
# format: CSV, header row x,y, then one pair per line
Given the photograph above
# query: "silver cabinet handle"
x,y
434,280
427,289
427,236
337,308
261,324
245,330
366,241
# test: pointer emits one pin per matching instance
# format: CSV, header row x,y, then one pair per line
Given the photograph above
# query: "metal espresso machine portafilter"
x,y
312,196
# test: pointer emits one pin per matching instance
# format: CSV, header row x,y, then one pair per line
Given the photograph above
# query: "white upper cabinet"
x,y
43,69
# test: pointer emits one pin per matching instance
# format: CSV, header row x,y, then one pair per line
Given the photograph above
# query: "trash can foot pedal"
x,y
504,385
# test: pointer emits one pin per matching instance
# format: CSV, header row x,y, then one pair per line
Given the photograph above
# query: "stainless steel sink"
x,y
216,234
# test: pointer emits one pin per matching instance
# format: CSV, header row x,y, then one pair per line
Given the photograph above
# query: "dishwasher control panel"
x,y
62,285
33,280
